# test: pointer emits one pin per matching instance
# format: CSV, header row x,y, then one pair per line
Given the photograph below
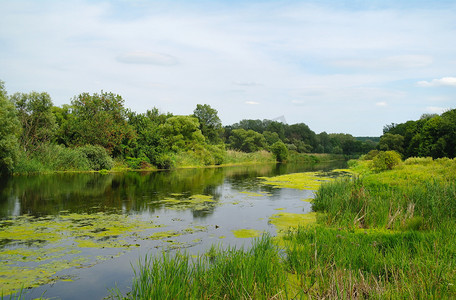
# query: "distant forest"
x,y
96,128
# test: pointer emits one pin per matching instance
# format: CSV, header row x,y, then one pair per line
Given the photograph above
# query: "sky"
x,y
337,66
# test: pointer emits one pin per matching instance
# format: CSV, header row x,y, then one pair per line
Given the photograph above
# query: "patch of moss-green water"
x,y
246,233
194,202
304,181
34,249
284,220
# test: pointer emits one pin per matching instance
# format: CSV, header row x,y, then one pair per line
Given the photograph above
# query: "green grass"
x,y
220,274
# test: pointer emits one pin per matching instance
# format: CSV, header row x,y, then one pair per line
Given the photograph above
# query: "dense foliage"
x,y
246,135
38,136
431,135
9,132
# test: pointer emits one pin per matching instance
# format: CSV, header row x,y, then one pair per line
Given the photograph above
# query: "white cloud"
x,y
381,104
444,81
151,58
251,102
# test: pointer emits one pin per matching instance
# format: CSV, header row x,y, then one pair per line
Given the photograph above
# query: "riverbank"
x,y
377,235
67,161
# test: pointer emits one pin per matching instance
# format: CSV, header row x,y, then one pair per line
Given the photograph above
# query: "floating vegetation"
x,y
304,181
254,194
34,249
164,235
194,202
246,233
284,221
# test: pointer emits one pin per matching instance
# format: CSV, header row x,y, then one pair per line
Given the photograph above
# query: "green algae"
x,y
164,235
304,181
194,202
246,233
254,194
285,221
34,249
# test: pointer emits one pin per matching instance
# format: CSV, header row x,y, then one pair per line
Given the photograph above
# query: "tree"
x,y
280,151
100,119
210,124
247,140
181,133
271,137
150,141
390,141
36,117
10,129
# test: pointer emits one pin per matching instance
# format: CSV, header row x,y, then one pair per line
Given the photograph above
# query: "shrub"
x,y
371,155
98,157
280,151
141,162
386,160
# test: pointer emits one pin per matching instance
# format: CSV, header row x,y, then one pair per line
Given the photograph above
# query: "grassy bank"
x,y
55,158
379,235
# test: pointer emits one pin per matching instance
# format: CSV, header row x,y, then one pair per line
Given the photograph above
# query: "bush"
x,y
280,151
371,155
98,157
386,161
141,162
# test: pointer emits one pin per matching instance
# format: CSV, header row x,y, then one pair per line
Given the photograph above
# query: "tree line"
x,y
433,135
94,129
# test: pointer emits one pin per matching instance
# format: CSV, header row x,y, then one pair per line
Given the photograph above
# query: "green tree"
x,y
247,140
271,137
36,117
182,133
150,141
10,129
280,151
210,124
390,141
100,119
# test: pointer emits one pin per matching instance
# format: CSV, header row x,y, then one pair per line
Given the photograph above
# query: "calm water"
x,y
238,200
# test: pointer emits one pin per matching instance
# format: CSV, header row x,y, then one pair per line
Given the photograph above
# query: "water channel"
x,y
74,236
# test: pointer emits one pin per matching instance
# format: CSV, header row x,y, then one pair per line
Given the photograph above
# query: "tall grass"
x,y
336,263
392,199
220,274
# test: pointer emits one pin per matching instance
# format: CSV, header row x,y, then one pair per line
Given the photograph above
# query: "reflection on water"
x,y
132,192
198,207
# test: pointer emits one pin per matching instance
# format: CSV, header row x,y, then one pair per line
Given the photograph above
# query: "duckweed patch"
x,y
284,221
34,249
246,233
254,194
194,202
301,181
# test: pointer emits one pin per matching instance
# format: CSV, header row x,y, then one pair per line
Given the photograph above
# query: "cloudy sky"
x,y
338,66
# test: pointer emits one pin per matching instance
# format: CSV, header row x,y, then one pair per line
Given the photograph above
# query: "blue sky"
x,y
338,66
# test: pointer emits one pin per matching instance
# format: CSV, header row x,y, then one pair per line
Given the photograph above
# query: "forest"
x,y
97,132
